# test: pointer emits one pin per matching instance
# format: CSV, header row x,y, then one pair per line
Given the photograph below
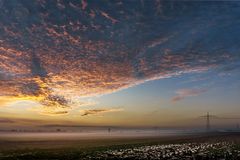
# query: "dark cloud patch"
x,y
36,67
54,100
100,111
30,88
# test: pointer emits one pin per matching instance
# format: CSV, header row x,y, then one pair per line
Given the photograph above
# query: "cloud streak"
x,y
100,111
5,120
184,93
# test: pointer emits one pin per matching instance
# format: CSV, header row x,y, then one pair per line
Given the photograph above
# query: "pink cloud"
x,y
183,93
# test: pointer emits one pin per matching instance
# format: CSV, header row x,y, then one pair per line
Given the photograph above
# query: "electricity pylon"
x,y
208,117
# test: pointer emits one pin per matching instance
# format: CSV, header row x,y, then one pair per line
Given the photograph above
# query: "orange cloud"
x,y
50,111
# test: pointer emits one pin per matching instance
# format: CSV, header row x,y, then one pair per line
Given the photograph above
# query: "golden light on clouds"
x,y
84,50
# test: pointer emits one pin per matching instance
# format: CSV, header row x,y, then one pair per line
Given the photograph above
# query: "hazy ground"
x,y
119,145
22,140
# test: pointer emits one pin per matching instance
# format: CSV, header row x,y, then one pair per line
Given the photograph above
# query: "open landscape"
x,y
119,79
215,145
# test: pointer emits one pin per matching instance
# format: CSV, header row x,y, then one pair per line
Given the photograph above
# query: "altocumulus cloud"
x,y
51,52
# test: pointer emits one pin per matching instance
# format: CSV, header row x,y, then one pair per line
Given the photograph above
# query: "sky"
x,y
119,63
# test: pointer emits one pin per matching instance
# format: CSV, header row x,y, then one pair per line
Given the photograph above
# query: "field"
x,y
197,146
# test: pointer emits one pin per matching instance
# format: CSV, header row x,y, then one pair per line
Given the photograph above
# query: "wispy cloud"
x,y
6,120
183,93
100,111
50,111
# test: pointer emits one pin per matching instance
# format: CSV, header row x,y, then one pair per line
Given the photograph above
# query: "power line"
x,y
208,118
